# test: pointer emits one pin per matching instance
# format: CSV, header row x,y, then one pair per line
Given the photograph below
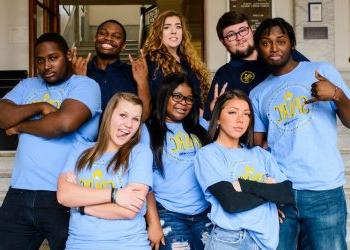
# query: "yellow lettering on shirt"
x,y
291,107
251,174
97,181
47,98
182,142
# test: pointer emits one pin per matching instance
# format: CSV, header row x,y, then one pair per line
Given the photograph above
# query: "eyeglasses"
x,y
177,97
231,36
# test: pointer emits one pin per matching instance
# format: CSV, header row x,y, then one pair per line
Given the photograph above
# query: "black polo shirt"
x,y
116,78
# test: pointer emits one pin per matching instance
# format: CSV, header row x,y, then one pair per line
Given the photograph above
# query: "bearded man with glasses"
x,y
245,70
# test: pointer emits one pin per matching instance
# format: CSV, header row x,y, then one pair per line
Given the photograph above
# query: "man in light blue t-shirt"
x,y
49,113
296,107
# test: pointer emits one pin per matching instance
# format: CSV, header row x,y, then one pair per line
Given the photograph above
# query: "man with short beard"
x,y
244,71
295,113
112,74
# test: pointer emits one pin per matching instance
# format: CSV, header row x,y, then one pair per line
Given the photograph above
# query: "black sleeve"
x,y
297,56
218,79
207,111
279,193
233,201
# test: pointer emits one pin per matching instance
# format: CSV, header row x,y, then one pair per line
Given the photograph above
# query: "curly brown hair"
x,y
158,52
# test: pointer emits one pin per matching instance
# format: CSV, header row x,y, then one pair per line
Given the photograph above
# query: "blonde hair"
x,y
89,156
158,52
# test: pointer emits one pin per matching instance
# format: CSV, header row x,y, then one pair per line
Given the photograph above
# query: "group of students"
x,y
177,181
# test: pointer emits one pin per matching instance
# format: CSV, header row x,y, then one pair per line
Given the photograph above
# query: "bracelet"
x,y
81,210
114,195
335,93
112,192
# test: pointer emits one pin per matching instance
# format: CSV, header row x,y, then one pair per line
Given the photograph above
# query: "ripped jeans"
x,y
183,231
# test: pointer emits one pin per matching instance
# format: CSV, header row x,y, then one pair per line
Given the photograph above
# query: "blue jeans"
x,y
318,221
28,217
184,231
230,240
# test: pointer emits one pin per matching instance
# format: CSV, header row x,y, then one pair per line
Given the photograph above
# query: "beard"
x,y
243,54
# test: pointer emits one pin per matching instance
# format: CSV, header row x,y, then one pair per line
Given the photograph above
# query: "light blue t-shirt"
x,y
179,190
215,163
302,138
39,160
89,232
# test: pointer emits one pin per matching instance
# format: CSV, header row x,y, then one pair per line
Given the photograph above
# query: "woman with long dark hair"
x,y
106,183
176,134
242,183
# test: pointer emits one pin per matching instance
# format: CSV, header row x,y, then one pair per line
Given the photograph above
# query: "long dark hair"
x,y
89,156
157,123
213,131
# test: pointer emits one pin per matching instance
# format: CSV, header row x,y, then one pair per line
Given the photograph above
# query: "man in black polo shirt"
x,y
106,68
244,71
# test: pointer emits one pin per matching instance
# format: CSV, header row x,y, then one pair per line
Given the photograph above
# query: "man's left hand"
x,y
322,90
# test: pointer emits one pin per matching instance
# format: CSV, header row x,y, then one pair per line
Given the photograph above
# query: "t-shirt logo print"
x,y
247,77
97,180
182,146
246,170
287,107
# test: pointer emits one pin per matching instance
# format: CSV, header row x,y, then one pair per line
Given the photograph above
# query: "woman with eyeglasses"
x,y
176,206
168,49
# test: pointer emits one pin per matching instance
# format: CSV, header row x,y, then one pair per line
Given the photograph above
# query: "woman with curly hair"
x,y
169,49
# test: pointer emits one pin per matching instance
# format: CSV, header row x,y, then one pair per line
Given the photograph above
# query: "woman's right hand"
x,y
155,235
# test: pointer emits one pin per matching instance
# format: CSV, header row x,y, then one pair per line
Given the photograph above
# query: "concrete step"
x,y
345,152
343,140
127,50
131,49
6,165
86,47
92,43
346,76
123,57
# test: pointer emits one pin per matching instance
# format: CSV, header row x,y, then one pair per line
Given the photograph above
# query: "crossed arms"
x,y
97,202
54,122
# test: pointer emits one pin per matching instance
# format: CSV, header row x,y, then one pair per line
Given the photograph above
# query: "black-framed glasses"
x,y
177,97
231,36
